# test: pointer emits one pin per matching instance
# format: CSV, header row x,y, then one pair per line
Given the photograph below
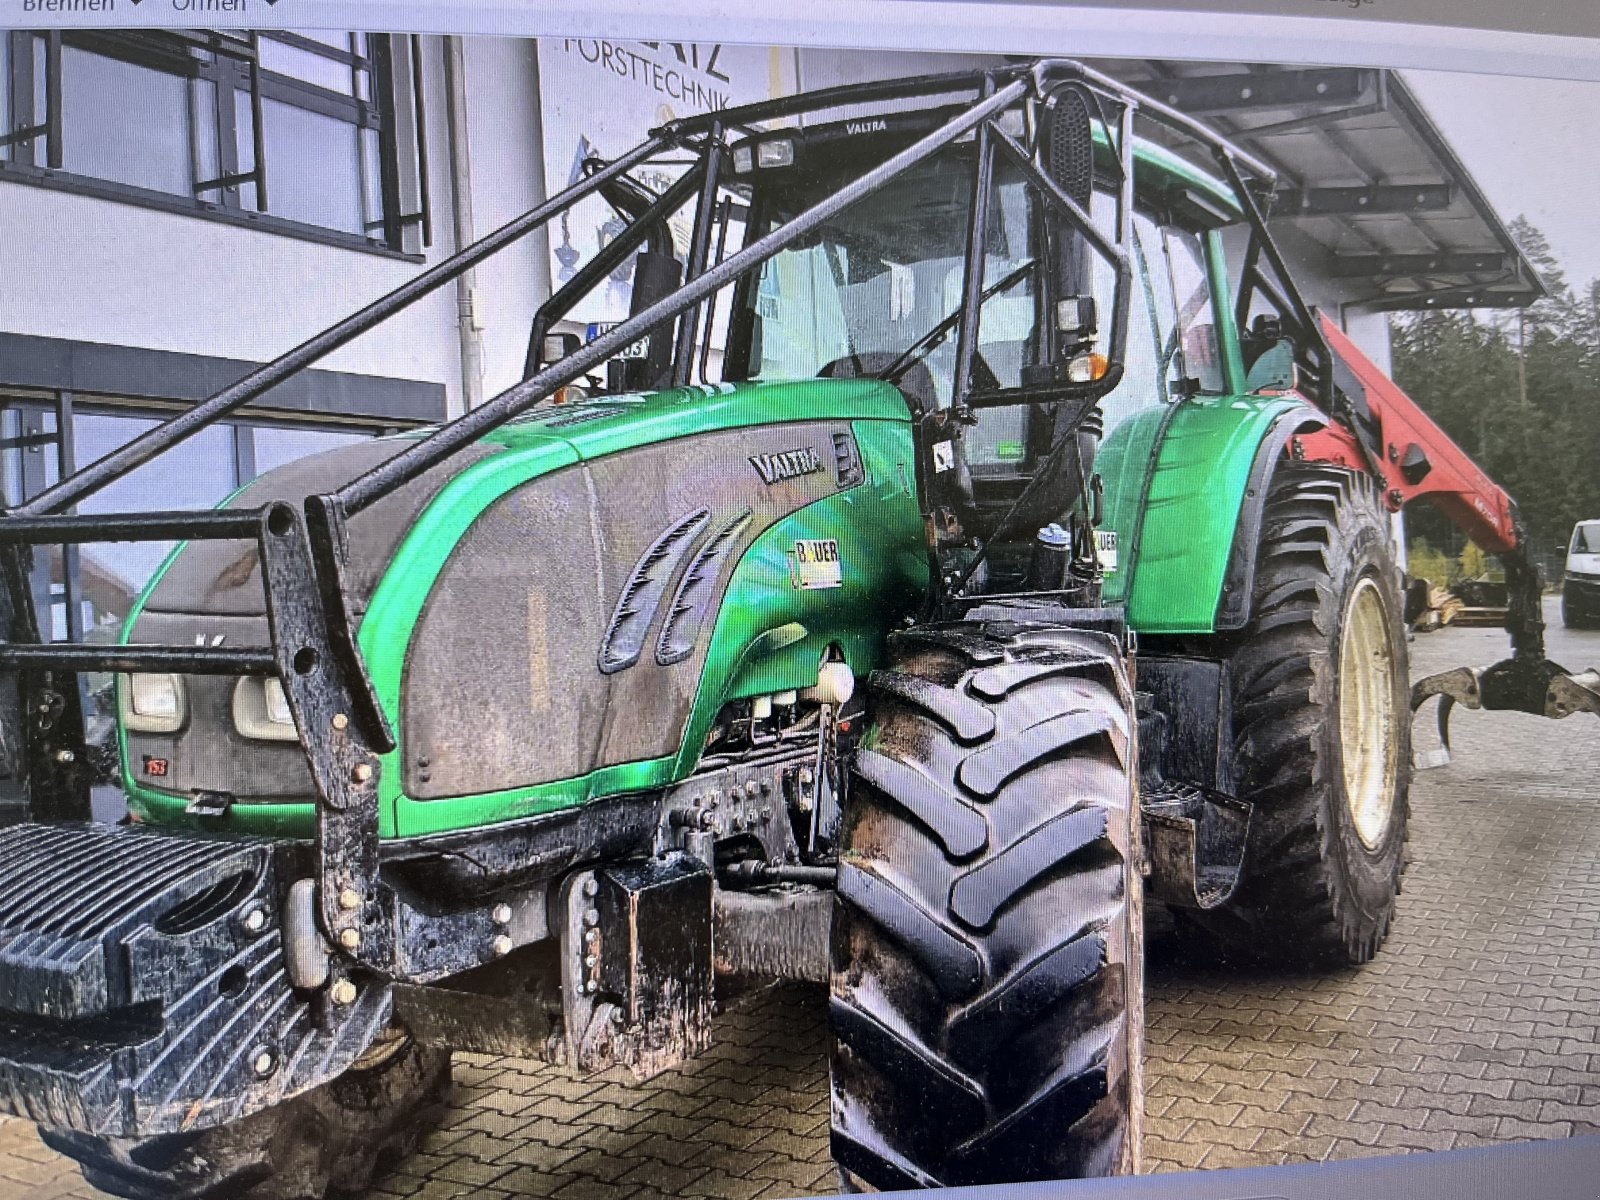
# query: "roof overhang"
x,y
1368,186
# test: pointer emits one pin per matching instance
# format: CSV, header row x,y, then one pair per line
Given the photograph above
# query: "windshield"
x,y
1586,538
885,273
883,278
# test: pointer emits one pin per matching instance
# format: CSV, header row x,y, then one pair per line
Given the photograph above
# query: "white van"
x,y
1580,590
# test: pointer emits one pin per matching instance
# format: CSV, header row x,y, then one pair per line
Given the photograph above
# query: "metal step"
x,y
1196,841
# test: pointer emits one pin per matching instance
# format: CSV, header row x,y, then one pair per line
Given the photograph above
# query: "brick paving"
x,y
1478,1023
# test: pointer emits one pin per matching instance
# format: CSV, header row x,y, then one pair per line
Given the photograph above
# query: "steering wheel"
x,y
871,364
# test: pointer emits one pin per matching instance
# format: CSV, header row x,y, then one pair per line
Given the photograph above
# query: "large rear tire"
x,y
1321,729
986,1001
331,1141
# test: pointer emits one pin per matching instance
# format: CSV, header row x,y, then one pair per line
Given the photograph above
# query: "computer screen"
x,y
601,603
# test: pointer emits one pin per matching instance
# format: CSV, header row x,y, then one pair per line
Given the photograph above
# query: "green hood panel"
x,y
1175,483
884,578
612,423
876,524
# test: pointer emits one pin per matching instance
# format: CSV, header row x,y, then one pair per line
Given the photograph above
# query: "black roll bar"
x,y
977,238
700,246
1041,75
223,524
1262,244
366,489
175,660
607,259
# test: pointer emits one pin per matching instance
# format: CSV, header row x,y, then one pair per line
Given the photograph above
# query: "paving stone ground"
x,y
1478,1023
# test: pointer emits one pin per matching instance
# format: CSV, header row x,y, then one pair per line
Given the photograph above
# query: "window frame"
x,y
234,73
765,212
43,416
1169,230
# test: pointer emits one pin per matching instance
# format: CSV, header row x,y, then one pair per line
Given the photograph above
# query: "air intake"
x,y
1069,142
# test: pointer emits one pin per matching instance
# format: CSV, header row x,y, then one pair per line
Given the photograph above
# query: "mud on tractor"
x,y
1029,553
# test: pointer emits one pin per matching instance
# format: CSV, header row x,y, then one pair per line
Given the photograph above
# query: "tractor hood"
x,y
224,578
521,636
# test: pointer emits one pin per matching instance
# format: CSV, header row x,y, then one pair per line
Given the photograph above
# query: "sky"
x,y
1531,145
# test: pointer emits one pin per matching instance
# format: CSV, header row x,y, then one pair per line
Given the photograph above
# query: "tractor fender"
x,y
1185,489
1233,609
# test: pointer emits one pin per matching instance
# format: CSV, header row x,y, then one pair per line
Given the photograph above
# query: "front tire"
x,y
986,1000
331,1141
1321,729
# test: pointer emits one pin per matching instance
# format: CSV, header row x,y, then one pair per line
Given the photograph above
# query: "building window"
x,y
198,473
101,580
279,444
297,132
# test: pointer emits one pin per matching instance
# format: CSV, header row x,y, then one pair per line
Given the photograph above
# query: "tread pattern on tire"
x,y
331,1141
986,959
1294,903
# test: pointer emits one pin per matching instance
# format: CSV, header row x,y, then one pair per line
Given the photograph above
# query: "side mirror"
x,y
557,346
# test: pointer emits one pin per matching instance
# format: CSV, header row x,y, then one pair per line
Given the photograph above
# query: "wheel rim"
x,y
1366,713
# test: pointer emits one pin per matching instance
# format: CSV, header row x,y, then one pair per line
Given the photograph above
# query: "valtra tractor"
x,y
1027,553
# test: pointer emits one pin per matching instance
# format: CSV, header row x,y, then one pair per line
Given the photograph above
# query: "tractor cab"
x,y
1122,309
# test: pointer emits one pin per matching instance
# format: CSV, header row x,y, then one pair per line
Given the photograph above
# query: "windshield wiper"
x,y
918,349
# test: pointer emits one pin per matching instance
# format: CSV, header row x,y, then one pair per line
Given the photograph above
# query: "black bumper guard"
x,y
143,986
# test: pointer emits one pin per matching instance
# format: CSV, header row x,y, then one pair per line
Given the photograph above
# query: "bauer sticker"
x,y
1105,548
814,564
944,456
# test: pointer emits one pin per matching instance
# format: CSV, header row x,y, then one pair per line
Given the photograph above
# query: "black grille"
x,y
1071,148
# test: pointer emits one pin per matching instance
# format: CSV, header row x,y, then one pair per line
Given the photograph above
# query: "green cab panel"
x,y
550,525
1175,480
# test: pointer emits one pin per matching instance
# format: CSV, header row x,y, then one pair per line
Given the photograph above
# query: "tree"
x,y
1520,392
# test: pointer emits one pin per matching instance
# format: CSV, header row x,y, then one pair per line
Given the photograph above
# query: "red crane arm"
x,y
1414,457
1379,429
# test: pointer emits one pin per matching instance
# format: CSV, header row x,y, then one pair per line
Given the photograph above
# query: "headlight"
x,y
261,710
153,703
776,152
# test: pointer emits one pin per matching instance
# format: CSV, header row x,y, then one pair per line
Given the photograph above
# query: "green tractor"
x,y
514,735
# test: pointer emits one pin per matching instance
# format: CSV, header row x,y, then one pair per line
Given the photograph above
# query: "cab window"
x,y
1152,318
885,275
1192,351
